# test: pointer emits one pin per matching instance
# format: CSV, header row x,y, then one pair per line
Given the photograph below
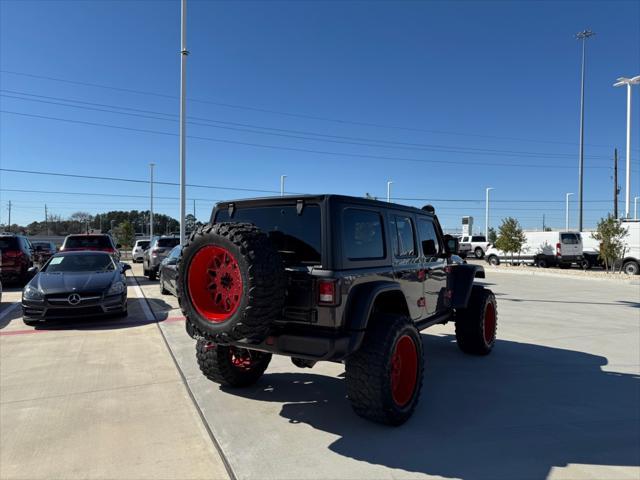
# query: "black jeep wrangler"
x,y
329,277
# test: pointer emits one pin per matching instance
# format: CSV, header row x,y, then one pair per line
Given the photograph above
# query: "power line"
x,y
296,134
290,114
304,150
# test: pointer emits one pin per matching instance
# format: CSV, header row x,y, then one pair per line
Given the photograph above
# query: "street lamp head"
x,y
627,81
584,34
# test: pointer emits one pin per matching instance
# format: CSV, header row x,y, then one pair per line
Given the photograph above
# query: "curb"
x,y
534,273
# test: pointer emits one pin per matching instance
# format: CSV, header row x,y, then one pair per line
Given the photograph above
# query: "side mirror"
x,y
125,267
452,244
429,248
32,272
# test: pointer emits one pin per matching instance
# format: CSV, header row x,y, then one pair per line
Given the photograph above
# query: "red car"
x,y
16,258
96,242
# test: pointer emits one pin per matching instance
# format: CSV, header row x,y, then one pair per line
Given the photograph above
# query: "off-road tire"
x,y
475,329
478,252
263,282
215,362
631,268
369,370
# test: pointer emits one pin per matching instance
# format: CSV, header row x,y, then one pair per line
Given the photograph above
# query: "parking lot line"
x,y
144,304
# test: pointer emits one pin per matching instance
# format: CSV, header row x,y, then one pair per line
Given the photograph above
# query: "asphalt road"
x,y
558,398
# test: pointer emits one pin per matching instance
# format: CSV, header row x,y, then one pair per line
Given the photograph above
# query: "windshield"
x,y
88,241
80,263
296,237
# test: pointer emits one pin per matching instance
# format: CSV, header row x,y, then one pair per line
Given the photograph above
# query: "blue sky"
x,y
442,98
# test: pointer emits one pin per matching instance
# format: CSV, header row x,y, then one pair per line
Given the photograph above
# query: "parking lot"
x,y
124,398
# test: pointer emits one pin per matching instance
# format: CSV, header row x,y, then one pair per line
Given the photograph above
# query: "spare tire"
x,y
230,282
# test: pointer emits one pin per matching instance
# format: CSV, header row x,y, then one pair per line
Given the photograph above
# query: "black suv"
x,y
329,277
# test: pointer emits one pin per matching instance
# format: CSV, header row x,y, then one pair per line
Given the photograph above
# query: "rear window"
x,y
296,237
9,243
88,241
363,238
569,238
477,239
167,242
144,244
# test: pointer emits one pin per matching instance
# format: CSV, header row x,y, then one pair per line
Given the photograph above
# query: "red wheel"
x,y
489,327
404,370
215,283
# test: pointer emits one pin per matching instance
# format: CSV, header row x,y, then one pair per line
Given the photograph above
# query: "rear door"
x,y
169,272
570,244
431,249
407,265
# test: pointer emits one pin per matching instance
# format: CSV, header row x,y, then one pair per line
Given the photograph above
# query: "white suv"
x,y
478,245
138,249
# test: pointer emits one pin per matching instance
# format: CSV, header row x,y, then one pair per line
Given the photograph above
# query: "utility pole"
x,y
543,225
582,36
566,218
183,112
9,215
616,190
46,218
151,165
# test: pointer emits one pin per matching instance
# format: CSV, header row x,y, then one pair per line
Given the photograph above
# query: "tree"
x,y
610,233
493,236
511,238
125,234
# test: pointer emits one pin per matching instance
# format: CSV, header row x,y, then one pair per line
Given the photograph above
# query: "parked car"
x,y
43,251
474,244
137,254
16,258
167,273
329,277
77,284
91,242
543,249
157,251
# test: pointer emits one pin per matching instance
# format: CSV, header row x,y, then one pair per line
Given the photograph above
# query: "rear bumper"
x,y
569,258
317,347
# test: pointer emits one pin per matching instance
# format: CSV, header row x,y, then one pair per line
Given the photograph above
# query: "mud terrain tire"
x,y
384,377
476,325
230,282
230,366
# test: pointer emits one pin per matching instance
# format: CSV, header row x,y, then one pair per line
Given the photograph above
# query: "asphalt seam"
x,y
216,444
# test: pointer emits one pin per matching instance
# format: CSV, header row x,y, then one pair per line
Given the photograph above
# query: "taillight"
x,y
558,251
327,294
13,253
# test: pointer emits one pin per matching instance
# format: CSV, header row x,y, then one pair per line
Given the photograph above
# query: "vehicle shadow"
x,y
514,414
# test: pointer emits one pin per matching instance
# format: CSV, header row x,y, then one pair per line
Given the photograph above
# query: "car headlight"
x,y
31,293
115,288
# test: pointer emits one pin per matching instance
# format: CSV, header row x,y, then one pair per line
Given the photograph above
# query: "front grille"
x,y
73,312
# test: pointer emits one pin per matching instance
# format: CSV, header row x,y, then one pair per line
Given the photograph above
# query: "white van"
x,y
631,259
544,249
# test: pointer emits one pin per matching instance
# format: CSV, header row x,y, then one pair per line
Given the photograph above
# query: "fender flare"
x,y
460,283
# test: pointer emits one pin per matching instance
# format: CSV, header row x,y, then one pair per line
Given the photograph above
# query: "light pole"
x,y
282,177
486,213
389,191
582,36
151,165
635,208
183,105
627,194
566,221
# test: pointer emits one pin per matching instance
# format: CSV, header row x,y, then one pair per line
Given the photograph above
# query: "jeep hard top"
x,y
329,277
